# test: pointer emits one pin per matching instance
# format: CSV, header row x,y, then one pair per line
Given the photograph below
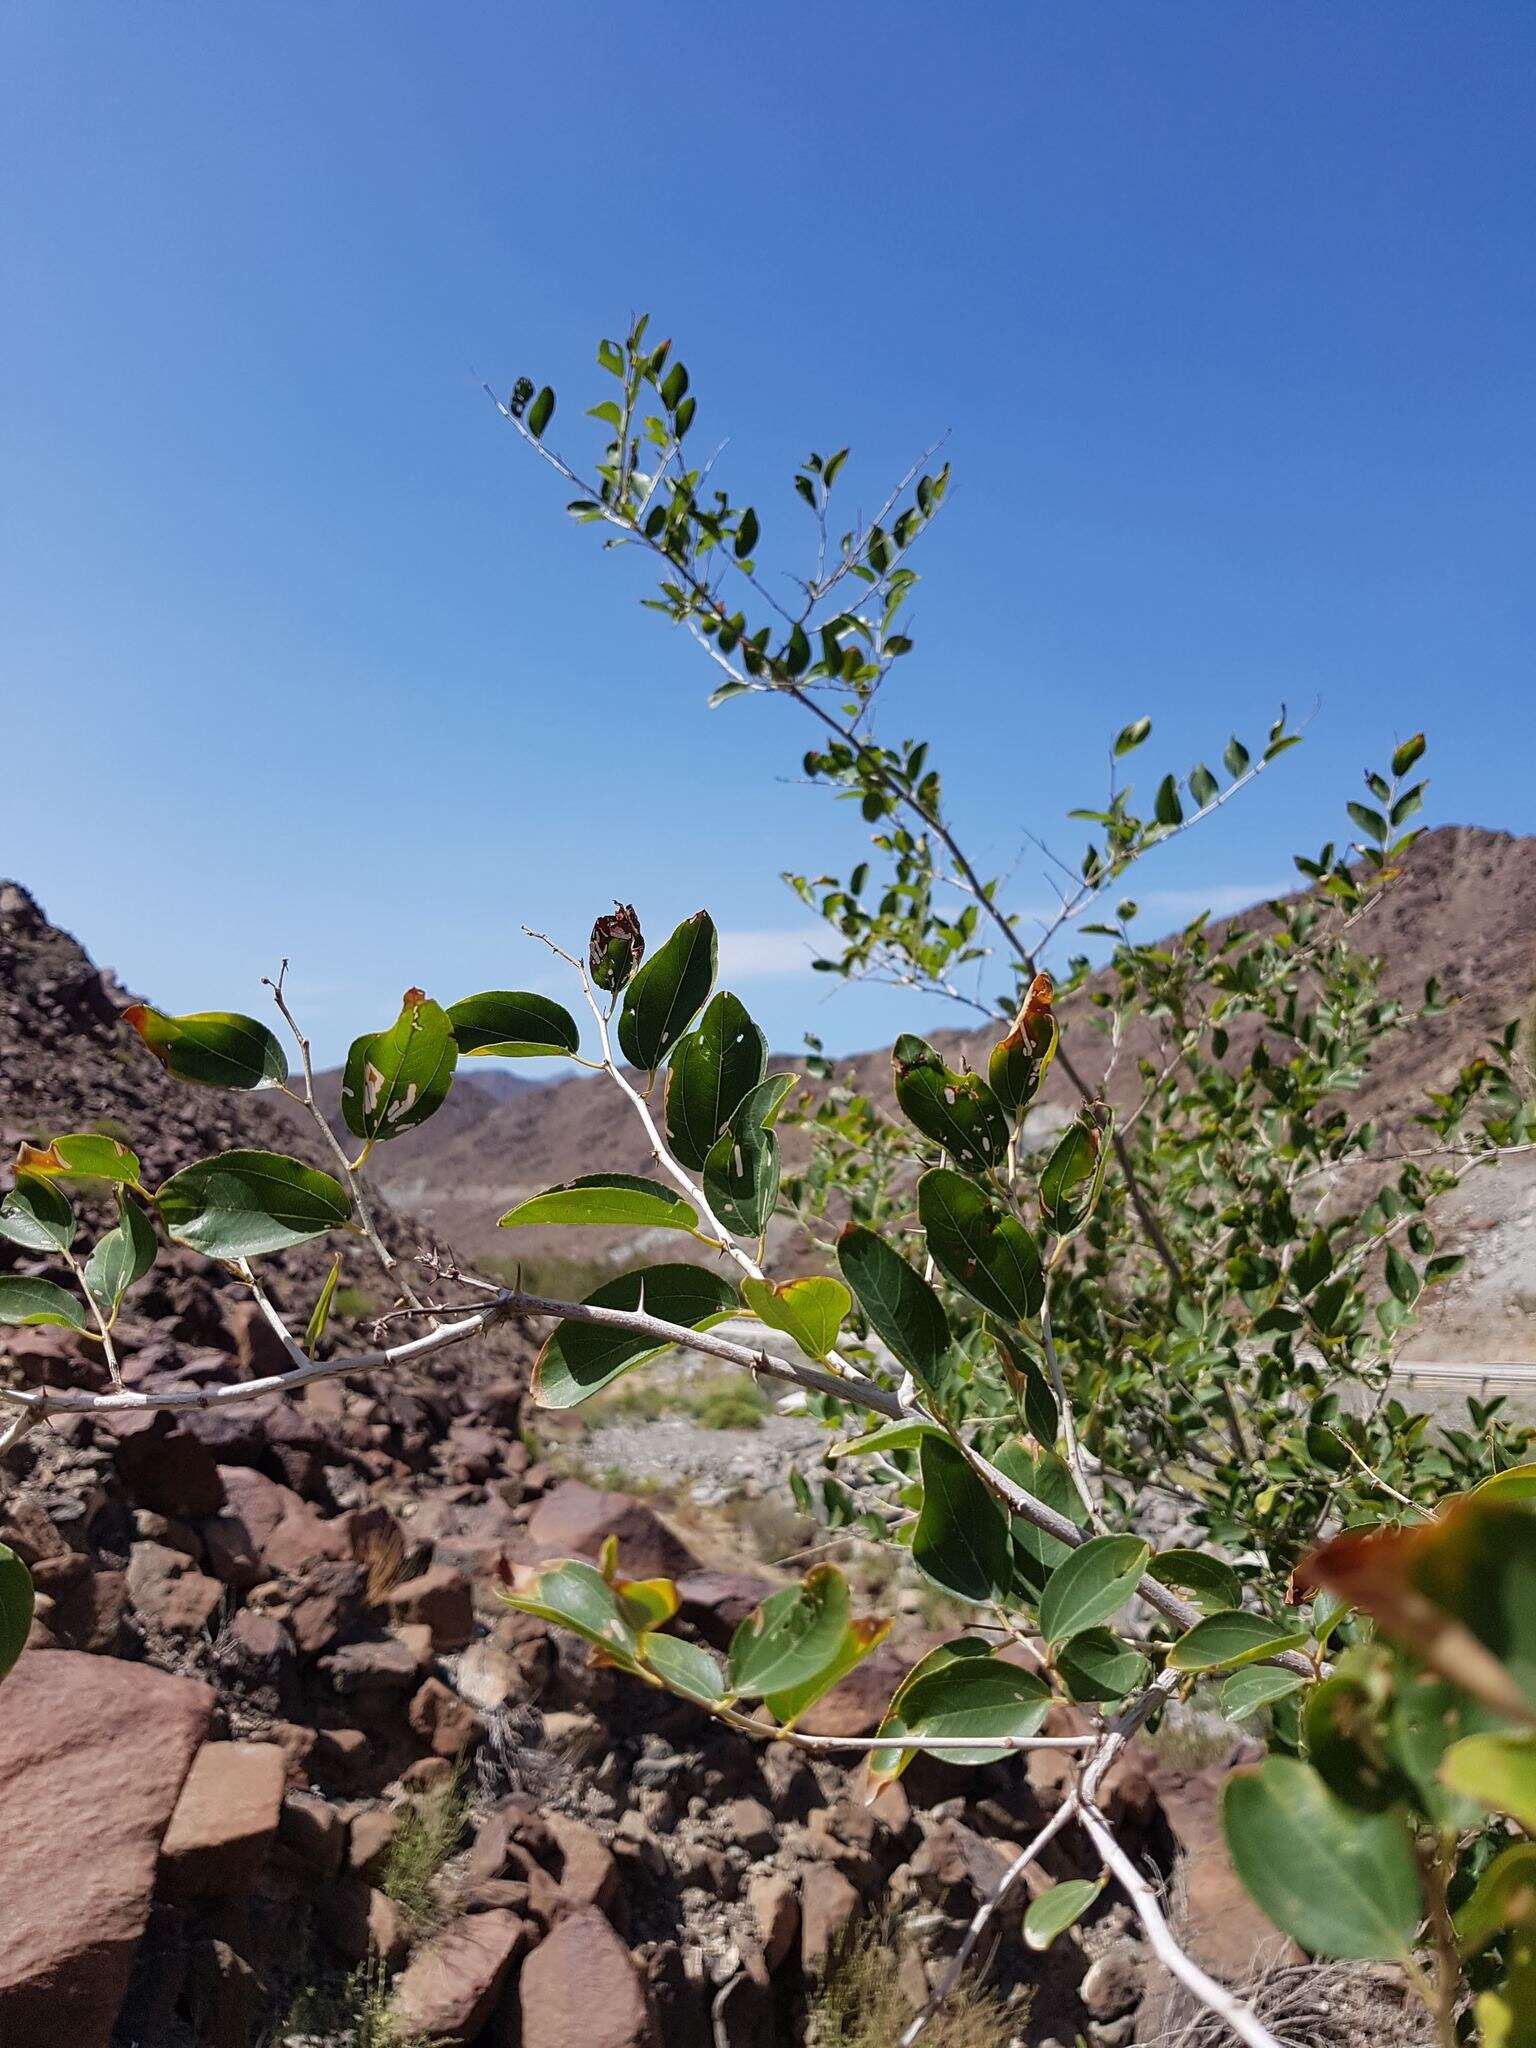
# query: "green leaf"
x,y
1341,1883
16,1605
1401,1277
37,1215
1074,1173
1202,785
1091,1585
741,1178
217,1048
890,1436
613,1200
1096,1666
240,1205
957,1111
1036,1554
685,1668
759,1108
973,1697
1131,736
581,1358
714,1068
1223,1641
541,412
978,1247
668,993
1166,807
1498,1771
1406,755
38,1301
859,1637
1212,1585
120,1258
961,1539
888,1764
746,534
1248,1692
577,1596
899,1305
793,1637
83,1155
811,1311
320,1314
395,1079
1503,1897
1058,1908
511,1024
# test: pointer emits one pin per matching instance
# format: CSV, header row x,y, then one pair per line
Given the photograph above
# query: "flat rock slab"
x,y
449,1989
580,1989
224,1822
93,1755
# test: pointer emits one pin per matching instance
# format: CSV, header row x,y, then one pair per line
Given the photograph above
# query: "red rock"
x,y
588,1874
442,1719
370,1839
169,1594
857,1704
359,1921
716,1602
449,1989
777,1913
93,1753
166,1468
827,1903
257,1347
314,1830
440,1597
224,1822
580,1989
575,1520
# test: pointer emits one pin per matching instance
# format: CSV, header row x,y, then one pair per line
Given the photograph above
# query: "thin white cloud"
x,y
745,955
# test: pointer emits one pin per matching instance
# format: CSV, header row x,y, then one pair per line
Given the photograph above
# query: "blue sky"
x,y
1228,310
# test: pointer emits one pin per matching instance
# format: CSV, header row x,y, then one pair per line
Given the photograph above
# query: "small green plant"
x,y
426,1838
859,2002
343,2012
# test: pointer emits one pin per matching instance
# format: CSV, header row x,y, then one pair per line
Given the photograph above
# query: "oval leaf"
x,y
957,1111
37,1215
24,1301
811,1310
1096,1666
582,1358
1343,1884
83,1155
614,1200
396,1079
511,1024
1074,1173
216,1048
1057,1908
973,1697
1091,1585
668,993
793,1637
714,1068
123,1256
16,1603
900,1306
1225,1640
685,1668
576,1596
978,1247
1259,1686
741,1178
1212,1585
241,1205
961,1539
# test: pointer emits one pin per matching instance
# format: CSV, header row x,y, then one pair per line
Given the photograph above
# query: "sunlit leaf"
x,y
240,1205
395,1079
511,1024
218,1048
668,992
811,1311
613,1200
794,1637
120,1258
581,1358
957,1111
37,1215
24,1301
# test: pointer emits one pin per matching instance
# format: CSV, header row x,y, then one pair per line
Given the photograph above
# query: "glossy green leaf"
x,y
395,1079
1057,1908
120,1258
541,412
1212,1585
888,1764
899,1305
16,1605
24,1301
1091,1585
37,1215
1251,1690
1096,1666
1224,1641
1132,735
957,1111
320,1314
82,1155
668,992
240,1205
1341,1883
971,1698
759,1107
217,1048
793,1637
1074,1173
612,1200
978,1247
1498,1771
685,1668
961,1538
741,1177
811,1311
581,1358
714,1067
511,1024
862,1634
576,1596
890,1436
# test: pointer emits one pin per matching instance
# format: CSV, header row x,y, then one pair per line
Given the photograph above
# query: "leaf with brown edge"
x,y
863,1634
1019,1060
1458,1592
81,1155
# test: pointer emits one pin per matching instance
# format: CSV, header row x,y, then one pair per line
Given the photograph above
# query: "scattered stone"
x,y
315,1830
580,1989
168,1593
383,1665
440,1599
443,1720
224,1823
449,1989
827,1903
1112,1985
776,1910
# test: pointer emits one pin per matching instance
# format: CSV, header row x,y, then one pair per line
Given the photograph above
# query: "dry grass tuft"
x,y
859,2003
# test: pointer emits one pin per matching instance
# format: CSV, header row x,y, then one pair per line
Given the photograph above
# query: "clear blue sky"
x,y
1229,308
